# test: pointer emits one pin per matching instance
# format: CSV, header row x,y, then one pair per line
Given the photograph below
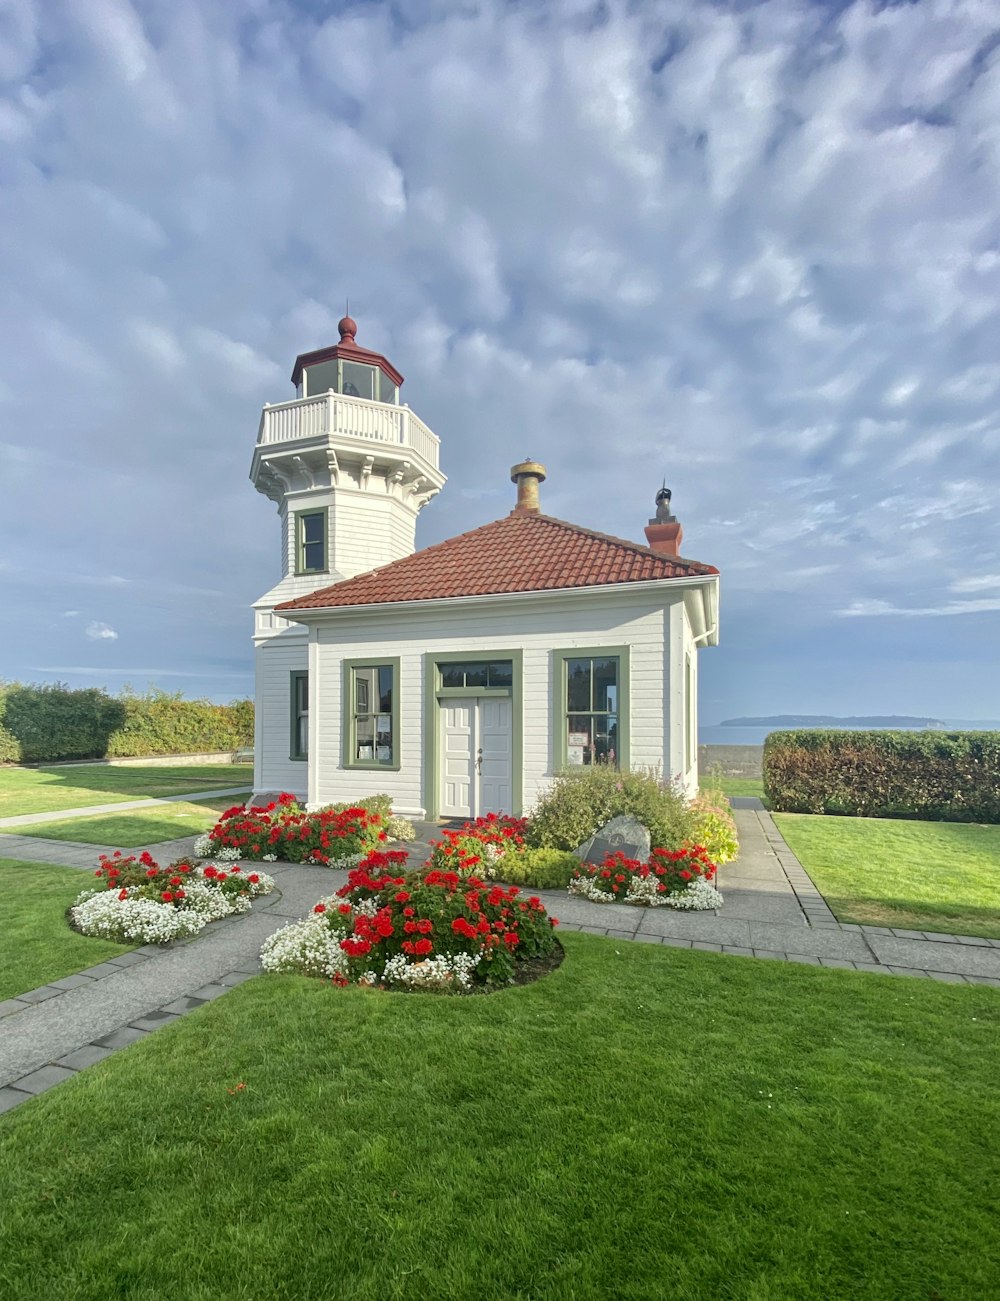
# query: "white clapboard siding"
x,y
642,621
273,769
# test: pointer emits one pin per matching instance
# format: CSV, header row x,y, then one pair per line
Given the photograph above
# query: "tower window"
x,y
310,542
299,740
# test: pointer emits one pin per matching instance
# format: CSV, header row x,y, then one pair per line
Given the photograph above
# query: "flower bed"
x,y
484,847
431,929
139,900
679,878
283,830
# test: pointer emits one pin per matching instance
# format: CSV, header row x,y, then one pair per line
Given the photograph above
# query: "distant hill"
x,y
830,720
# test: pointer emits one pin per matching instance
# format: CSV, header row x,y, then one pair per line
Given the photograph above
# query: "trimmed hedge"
x,y
49,722
936,776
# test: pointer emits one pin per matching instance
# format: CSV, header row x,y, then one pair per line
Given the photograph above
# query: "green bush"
x,y
583,799
49,722
545,869
936,776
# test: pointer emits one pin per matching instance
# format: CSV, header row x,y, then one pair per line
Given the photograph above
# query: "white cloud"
x,y
754,251
71,614
869,608
100,632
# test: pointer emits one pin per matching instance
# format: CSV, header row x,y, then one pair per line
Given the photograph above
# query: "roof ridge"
x,y
626,543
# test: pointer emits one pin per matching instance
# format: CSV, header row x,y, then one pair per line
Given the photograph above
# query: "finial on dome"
x,y
348,328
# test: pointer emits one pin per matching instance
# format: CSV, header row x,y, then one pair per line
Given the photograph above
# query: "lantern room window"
x,y
352,378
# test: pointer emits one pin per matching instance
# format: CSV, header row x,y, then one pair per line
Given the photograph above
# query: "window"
x,y
321,377
477,673
299,743
371,714
359,381
310,542
591,701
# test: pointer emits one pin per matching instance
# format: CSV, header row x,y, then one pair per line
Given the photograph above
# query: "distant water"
x,y
756,735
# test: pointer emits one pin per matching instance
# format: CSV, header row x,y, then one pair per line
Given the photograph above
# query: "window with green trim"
x,y
299,703
476,673
372,714
591,710
310,541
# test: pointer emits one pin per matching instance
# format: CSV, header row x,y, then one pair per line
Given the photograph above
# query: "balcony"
x,y
347,417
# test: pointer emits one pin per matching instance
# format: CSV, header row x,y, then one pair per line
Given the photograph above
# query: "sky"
x,y
750,249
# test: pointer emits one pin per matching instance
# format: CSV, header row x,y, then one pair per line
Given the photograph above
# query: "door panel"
x,y
458,719
476,757
495,741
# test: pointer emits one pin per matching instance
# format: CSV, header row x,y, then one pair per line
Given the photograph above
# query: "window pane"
x,y
312,528
475,674
452,675
359,381
578,684
301,694
383,738
606,684
312,556
386,388
385,688
578,740
320,377
302,733
364,690
501,673
365,736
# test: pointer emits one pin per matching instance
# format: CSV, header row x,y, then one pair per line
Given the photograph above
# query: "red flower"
x,y
320,908
123,894
151,872
401,896
253,878
167,897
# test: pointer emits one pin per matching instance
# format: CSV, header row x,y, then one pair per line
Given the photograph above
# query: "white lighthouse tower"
x,y
349,468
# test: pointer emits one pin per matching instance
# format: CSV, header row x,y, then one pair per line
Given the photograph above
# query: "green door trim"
x,y
434,694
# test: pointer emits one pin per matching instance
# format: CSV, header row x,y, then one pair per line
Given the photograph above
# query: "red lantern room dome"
x,y
348,369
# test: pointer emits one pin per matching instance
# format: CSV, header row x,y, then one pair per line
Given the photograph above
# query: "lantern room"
x,y
348,369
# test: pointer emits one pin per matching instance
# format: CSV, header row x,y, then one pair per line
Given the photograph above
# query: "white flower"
x,y
307,947
106,915
204,846
443,971
698,896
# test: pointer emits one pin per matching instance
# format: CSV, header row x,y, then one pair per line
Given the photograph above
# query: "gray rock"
x,y
623,834
263,798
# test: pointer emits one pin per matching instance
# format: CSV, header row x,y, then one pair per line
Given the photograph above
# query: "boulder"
x,y
624,834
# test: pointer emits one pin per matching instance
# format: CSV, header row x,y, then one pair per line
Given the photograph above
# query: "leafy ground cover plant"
x,y
679,878
137,899
545,869
714,826
282,829
432,929
583,799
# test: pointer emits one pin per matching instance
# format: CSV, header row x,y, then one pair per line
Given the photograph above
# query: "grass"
x,y
38,946
643,1123
931,876
141,827
734,785
45,790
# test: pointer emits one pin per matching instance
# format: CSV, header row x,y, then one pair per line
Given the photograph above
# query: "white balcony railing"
x,y
333,413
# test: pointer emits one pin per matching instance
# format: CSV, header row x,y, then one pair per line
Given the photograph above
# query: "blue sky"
x,y
753,249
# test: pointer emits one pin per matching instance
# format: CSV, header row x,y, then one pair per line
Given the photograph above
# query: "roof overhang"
x,y
700,593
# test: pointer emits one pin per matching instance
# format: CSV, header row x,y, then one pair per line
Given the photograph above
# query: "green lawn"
x,y
140,827
45,790
38,945
643,1123
933,876
735,785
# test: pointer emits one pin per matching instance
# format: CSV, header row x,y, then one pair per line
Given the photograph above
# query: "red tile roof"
x,y
523,552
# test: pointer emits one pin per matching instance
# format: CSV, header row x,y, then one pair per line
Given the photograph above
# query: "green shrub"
x,y
937,776
49,722
714,826
583,799
545,869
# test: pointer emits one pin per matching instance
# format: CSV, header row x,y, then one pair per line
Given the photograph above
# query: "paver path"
x,y
28,819
772,910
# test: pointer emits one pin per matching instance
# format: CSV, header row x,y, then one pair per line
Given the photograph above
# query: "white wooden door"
x,y
458,757
476,757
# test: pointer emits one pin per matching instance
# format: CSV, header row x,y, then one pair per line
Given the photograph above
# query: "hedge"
x,y
49,722
937,776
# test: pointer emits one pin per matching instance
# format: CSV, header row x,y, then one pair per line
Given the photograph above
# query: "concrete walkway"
x,y
30,819
772,910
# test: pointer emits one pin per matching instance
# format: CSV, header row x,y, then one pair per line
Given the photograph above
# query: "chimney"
x,y
527,475
664,532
